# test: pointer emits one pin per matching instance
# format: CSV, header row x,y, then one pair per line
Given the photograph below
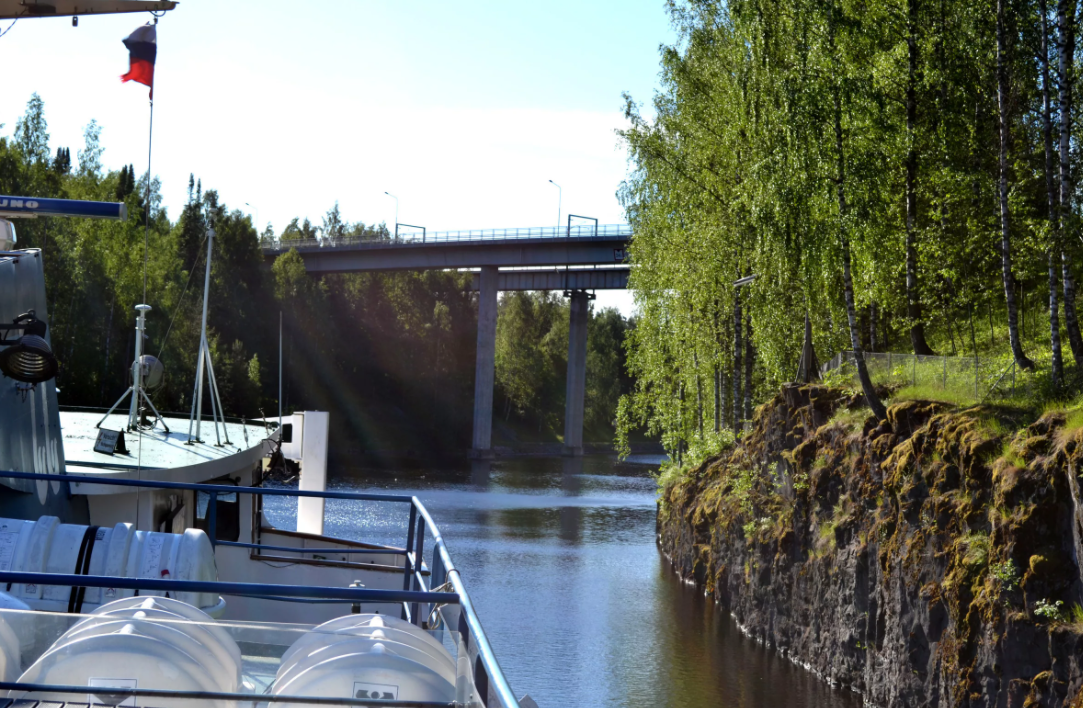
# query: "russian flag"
x,y
142,46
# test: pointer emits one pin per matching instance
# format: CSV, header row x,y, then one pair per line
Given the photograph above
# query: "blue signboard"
x,y
29,207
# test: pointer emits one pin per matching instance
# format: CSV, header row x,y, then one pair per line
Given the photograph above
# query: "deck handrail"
x,y
258,590
488,677
237,698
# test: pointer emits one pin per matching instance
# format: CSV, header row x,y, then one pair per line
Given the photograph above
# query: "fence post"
x,y
1013,379
890,371
945,373
914,372
976,376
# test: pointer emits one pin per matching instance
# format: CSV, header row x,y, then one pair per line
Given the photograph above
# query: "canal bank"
x,y
929,560
561,559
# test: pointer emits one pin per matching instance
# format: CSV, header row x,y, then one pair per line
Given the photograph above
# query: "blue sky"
x,y
464,110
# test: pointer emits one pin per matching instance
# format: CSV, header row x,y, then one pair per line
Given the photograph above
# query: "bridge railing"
x,y
585,231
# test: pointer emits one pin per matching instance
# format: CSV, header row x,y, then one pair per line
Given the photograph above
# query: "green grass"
x,y
952,395
1074,420
827,535
1009,454
1075,618
851,420
977,549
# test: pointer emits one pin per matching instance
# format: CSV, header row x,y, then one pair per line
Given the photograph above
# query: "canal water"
x,y
560,560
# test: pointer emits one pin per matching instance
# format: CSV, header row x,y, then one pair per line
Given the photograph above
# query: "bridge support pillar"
x,y
486,363
577,373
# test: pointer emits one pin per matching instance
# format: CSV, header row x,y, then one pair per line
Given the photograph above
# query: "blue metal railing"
x,y
226,698
583,232
417,596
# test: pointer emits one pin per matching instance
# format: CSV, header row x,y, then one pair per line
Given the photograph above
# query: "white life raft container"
x,y
367,656
10,646
192,620
154,643
48,546
372,626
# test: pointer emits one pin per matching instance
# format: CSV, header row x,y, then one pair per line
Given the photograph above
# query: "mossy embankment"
x,y
919,561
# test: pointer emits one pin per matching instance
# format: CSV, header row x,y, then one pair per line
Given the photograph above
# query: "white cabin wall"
x,y
313,471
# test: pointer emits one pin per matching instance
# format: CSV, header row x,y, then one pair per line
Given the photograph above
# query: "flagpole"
x,y
146,225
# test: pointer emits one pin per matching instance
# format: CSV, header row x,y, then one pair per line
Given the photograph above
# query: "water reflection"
x,y
480,474
571,517
559,556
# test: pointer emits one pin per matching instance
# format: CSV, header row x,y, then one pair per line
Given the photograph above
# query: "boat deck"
x,y
155,454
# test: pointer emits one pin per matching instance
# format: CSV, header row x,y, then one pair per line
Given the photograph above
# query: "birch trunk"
x,y
717,399
736,360
1021,359
749,360
699,398
1057,366
867,388
1066,52
913,300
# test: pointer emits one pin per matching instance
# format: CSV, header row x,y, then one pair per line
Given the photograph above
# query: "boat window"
x,y
228,513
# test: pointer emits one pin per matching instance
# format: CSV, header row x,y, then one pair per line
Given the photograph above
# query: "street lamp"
x,y
560,196
396,208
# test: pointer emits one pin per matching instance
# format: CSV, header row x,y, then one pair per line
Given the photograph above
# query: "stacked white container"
x,y
140,642
48,546
367,656
10,646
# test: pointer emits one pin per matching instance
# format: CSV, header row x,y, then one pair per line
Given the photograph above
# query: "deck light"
x,y
29,358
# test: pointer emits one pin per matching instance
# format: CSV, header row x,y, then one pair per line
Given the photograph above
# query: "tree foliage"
x,y
790,136
392,355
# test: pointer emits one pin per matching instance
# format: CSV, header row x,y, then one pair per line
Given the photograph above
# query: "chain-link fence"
x,y
976,378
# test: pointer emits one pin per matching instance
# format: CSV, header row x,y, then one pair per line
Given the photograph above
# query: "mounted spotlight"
x,y
29,358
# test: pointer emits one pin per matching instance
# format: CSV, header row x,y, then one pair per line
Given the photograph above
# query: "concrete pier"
x,y
486,363
577,373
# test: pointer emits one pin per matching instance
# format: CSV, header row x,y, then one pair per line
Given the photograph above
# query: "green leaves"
x,y
738,173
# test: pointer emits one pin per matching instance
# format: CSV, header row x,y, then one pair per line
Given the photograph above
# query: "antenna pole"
x,y
137,367
204,353
280,369
139,396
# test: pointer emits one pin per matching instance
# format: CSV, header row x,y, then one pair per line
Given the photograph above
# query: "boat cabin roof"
x,y
155,454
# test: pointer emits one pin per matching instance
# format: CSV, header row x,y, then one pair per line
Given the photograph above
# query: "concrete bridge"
x,y
575,259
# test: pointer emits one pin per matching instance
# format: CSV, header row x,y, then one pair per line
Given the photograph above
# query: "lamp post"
x,y
560,196
396,210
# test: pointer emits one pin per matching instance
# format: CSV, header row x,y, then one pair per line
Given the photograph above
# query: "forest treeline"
x,y
391,355
901,170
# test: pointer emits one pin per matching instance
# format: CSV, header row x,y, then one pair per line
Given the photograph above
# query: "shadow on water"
x,y
560,558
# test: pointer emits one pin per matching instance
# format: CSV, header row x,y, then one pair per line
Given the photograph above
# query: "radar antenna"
x,y
144,369
204,359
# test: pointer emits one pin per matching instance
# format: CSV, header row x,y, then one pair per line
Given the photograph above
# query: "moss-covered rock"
x,y
905,558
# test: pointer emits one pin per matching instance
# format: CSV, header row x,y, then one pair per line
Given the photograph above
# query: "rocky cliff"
x,y
930,560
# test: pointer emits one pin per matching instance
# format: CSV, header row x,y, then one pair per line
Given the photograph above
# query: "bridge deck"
x,y
546,246
604,232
